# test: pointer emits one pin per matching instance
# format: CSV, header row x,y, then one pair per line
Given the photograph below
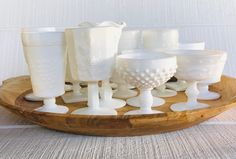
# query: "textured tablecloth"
x,y
215,138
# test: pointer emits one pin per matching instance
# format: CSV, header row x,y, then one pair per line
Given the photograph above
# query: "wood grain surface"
x,y
12,97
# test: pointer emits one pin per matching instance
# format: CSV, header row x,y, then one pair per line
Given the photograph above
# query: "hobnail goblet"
x,y
145,70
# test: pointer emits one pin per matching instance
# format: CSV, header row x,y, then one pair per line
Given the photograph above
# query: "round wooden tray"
x,y
12,97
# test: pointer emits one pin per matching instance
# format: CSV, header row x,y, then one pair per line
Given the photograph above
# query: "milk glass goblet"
x,y
95,51
204,93
146,71
161,39
77,95
194,66
181,85
130,39
44,50
106,90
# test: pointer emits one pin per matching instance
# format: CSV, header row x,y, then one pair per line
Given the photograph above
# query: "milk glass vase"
x,y
95,48
44,50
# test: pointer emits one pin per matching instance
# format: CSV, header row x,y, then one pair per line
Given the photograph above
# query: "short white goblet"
x,y
76,95
145,70
130,39
44,50
193,66
161,39
95,50
203,86
181,85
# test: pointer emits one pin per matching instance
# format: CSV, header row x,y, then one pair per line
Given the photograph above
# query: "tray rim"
x,y
125,118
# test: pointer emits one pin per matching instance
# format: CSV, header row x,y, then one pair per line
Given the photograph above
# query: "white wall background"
x,y
212,21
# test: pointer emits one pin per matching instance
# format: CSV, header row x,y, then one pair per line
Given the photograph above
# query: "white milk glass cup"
x,y
130,39
194,66
161,39
146,71
181,85
77,94
44,50
204,92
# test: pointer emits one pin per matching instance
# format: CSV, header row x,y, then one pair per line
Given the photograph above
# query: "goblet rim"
x,y
192,42
89,27
195,53
159,29
131,30
144,55
36,30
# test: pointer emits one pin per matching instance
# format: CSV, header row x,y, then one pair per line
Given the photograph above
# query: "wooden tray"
x,y
13,90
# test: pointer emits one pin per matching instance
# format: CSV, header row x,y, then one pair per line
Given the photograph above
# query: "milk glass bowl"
x,y
194,66
145,70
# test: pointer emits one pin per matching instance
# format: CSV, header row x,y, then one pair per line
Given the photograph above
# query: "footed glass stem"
x,y
205,94
50,106
192,103
76,95
179,85
146,102
106,97
31,97
93,103
123,91
68,87
161,91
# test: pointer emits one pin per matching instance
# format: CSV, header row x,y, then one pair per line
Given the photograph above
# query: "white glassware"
x,y
76,95
68,87
205,94
44,50
162,91
95,50
161,39
31,97
194,66
181,85
192,46
106,91
130,39
146,70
